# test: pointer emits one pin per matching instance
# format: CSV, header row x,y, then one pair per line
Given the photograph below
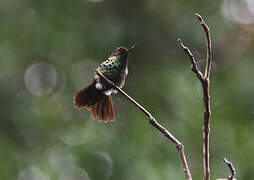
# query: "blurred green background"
x,y
48,49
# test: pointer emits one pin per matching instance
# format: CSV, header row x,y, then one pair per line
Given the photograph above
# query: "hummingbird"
x,y
96,97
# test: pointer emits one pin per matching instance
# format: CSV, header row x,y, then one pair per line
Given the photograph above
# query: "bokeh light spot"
x,y
62,163
239,11
106,166
74,173
58,158
75,135
32,173
40,79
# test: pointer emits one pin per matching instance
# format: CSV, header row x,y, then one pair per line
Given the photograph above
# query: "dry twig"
x,y
205,81
231,167
153,121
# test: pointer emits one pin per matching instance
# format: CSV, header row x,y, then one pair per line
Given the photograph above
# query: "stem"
x,y
231,167
205,82
154,122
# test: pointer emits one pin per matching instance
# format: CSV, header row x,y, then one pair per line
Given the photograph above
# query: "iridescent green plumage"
x,y
115,67
97,96
110,67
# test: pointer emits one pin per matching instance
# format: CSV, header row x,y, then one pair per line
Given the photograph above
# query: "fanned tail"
x,y
103,109
100,105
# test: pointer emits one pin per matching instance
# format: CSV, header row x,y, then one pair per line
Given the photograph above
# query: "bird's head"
x,y
122,52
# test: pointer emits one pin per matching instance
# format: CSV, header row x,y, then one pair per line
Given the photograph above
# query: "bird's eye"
x,y
117,53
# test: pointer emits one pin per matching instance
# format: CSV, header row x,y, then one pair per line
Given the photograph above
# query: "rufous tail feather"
x,y
100,105
103,109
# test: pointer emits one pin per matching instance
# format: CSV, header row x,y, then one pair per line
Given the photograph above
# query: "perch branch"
x,y
231,167
205,82
153,121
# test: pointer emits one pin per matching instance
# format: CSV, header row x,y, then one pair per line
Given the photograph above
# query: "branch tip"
x,y
198,16
202,22
204,79
181,43
179,40
231,167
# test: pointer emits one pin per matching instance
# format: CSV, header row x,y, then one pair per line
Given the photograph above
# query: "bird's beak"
x,y
131,48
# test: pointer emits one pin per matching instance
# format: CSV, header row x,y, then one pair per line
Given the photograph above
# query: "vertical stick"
x,y
205,82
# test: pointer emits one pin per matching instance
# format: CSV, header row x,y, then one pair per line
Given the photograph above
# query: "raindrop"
x,y
40,79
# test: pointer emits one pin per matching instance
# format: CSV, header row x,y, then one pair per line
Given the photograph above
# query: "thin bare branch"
x,y
154,122
194,66
231,167
205,82
208,45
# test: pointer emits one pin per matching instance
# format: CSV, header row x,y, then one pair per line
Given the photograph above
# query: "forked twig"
x,y
208,45
154,122
205,82
231,167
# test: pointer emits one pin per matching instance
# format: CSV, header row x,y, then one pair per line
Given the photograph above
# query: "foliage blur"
x,y
48,50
